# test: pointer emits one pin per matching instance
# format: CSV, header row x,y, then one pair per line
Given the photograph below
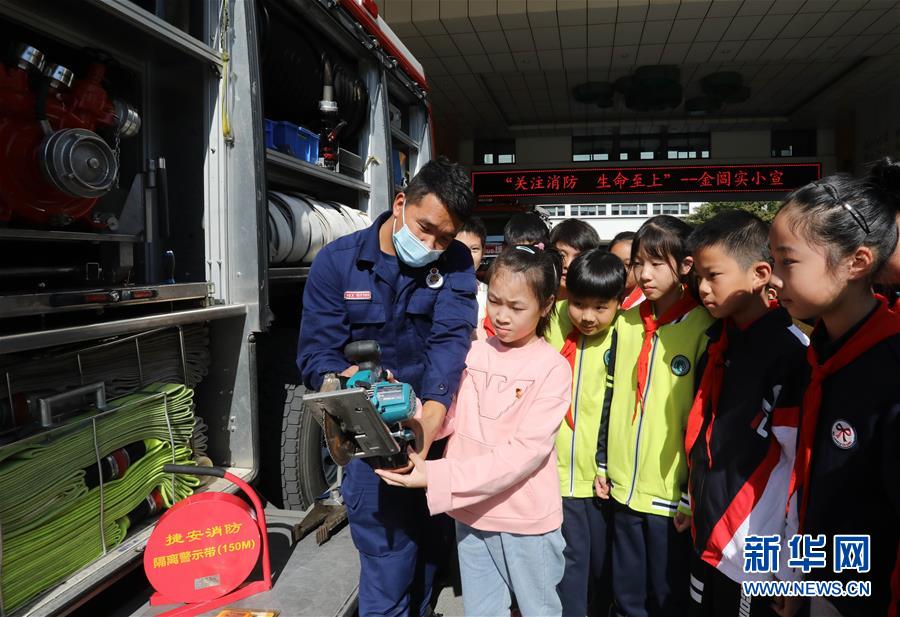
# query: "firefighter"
x,y
408,284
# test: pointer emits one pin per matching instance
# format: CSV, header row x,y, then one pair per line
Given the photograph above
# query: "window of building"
x,y
559,211
589,210
592,148
659,146
687,146
672,209
793,143
495,151
628,209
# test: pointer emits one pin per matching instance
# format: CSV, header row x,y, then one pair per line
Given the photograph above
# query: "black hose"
x,y
195,470
327,79
40,104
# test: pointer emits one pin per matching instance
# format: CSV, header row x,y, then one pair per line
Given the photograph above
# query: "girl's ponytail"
x,y
884,175
843,213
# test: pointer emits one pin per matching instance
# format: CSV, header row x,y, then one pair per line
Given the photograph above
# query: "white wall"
x,y
608,226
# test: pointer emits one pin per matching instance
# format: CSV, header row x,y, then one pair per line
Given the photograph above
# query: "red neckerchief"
x,y
488,326
881,325
568,351
651,325
708,392
893,309
633,299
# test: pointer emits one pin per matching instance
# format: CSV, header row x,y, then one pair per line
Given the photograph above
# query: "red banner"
x,y
779,178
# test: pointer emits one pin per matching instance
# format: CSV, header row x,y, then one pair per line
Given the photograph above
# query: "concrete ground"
x,y
449,604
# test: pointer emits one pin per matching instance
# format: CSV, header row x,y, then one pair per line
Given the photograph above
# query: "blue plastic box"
x,y
270,130
296,141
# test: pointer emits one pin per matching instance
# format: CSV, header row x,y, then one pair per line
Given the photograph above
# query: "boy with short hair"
x,y
473,234
571,238
526,228
741,431
621,248
581,331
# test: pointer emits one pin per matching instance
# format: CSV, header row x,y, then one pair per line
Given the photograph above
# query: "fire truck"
x,y
168,171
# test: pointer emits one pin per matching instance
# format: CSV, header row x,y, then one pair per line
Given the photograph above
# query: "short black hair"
x,y
541,269
474,226
447,181
596,274
526,228
622,236
741,234
575,233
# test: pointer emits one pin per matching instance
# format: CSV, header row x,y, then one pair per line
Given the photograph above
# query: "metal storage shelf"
x,y
65,236
159,28
281,162
130,550
15,305
300,273
56,16
11,343
404,138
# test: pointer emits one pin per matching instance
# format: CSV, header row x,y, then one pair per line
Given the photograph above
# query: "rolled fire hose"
x,y
280,238
300,225
47,551
44,543
115,363
27,467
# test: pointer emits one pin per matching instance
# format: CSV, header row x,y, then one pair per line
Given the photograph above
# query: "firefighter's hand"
x,y
601,487
425,428
786,606
682,522
350,371
417,478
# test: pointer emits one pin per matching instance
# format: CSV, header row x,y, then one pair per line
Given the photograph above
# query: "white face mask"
x,y
410,249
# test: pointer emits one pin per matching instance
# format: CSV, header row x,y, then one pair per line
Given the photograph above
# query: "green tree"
x,y
765,210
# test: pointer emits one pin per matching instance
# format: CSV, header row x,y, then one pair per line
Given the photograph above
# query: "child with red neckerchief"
x,y
640,451
830,239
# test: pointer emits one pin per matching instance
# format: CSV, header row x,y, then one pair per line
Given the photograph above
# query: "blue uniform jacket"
x,y
424,332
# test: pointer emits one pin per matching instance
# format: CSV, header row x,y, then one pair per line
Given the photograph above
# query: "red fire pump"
x,y
53,165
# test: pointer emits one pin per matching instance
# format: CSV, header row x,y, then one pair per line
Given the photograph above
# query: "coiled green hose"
x,y
51,520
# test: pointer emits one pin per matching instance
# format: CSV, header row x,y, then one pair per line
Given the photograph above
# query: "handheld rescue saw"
x,y
362,417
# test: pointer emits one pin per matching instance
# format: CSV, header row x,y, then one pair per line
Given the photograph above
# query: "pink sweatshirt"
x,y
499,470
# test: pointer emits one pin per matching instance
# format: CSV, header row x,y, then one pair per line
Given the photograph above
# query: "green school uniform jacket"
x,y
576,450
643,454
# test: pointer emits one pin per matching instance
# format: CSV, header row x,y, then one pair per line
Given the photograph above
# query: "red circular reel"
x,y
202,548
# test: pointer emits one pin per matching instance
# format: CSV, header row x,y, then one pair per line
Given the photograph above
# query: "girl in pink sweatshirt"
x,y
498,478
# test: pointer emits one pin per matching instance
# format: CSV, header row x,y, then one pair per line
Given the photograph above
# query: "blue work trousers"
x,y
399,544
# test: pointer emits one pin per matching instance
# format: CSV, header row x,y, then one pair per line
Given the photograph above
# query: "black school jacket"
x,y
752,441
854,485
